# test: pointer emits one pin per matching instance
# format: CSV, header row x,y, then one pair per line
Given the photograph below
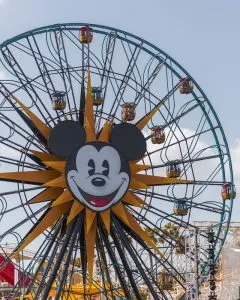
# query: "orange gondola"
x,y
86,35
228,191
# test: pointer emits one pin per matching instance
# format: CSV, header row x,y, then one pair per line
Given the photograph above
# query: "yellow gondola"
x,y
180,208
173,170
85,35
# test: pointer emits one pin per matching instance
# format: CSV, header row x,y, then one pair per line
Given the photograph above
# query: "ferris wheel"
x,y
110,151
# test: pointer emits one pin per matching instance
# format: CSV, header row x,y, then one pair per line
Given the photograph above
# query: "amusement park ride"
x,y
110,152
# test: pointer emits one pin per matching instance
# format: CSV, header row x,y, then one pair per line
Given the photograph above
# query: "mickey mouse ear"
x,y
65,137
129,140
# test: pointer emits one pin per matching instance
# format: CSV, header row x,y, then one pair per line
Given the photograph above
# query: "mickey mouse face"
x,y
97,173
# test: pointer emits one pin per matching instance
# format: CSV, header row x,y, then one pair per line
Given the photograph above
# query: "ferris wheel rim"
x,y
57,26
97,27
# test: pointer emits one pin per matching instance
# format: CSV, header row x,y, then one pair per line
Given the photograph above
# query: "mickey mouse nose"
x,y
98,181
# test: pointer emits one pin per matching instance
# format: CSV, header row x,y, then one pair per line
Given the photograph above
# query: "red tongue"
x,y
96,201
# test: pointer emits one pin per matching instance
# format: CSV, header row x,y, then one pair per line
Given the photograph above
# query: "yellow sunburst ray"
x,y
90,132
144,121
104,135
57,165
135,227
89,122
75,210
90,238
60,181
120,211
49,219
136,184
151,180
41,126
43,156
30,176
90,217
137,168
66,196
106,218
132,199
48,194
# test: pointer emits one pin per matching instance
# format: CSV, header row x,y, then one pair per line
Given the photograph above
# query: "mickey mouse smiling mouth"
x,y
98,201
98,175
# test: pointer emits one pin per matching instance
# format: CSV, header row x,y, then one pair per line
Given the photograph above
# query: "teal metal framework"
x,y
58,39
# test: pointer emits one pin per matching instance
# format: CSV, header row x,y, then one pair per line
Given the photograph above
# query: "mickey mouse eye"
x,y
91,165
105,165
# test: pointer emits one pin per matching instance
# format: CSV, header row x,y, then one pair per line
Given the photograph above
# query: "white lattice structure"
x,y
228,274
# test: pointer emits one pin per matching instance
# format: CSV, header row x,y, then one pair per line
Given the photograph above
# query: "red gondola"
x,y
157,135
186,86
128,112
58,100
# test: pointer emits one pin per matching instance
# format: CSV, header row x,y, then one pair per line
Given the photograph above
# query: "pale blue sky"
x,y
203,36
